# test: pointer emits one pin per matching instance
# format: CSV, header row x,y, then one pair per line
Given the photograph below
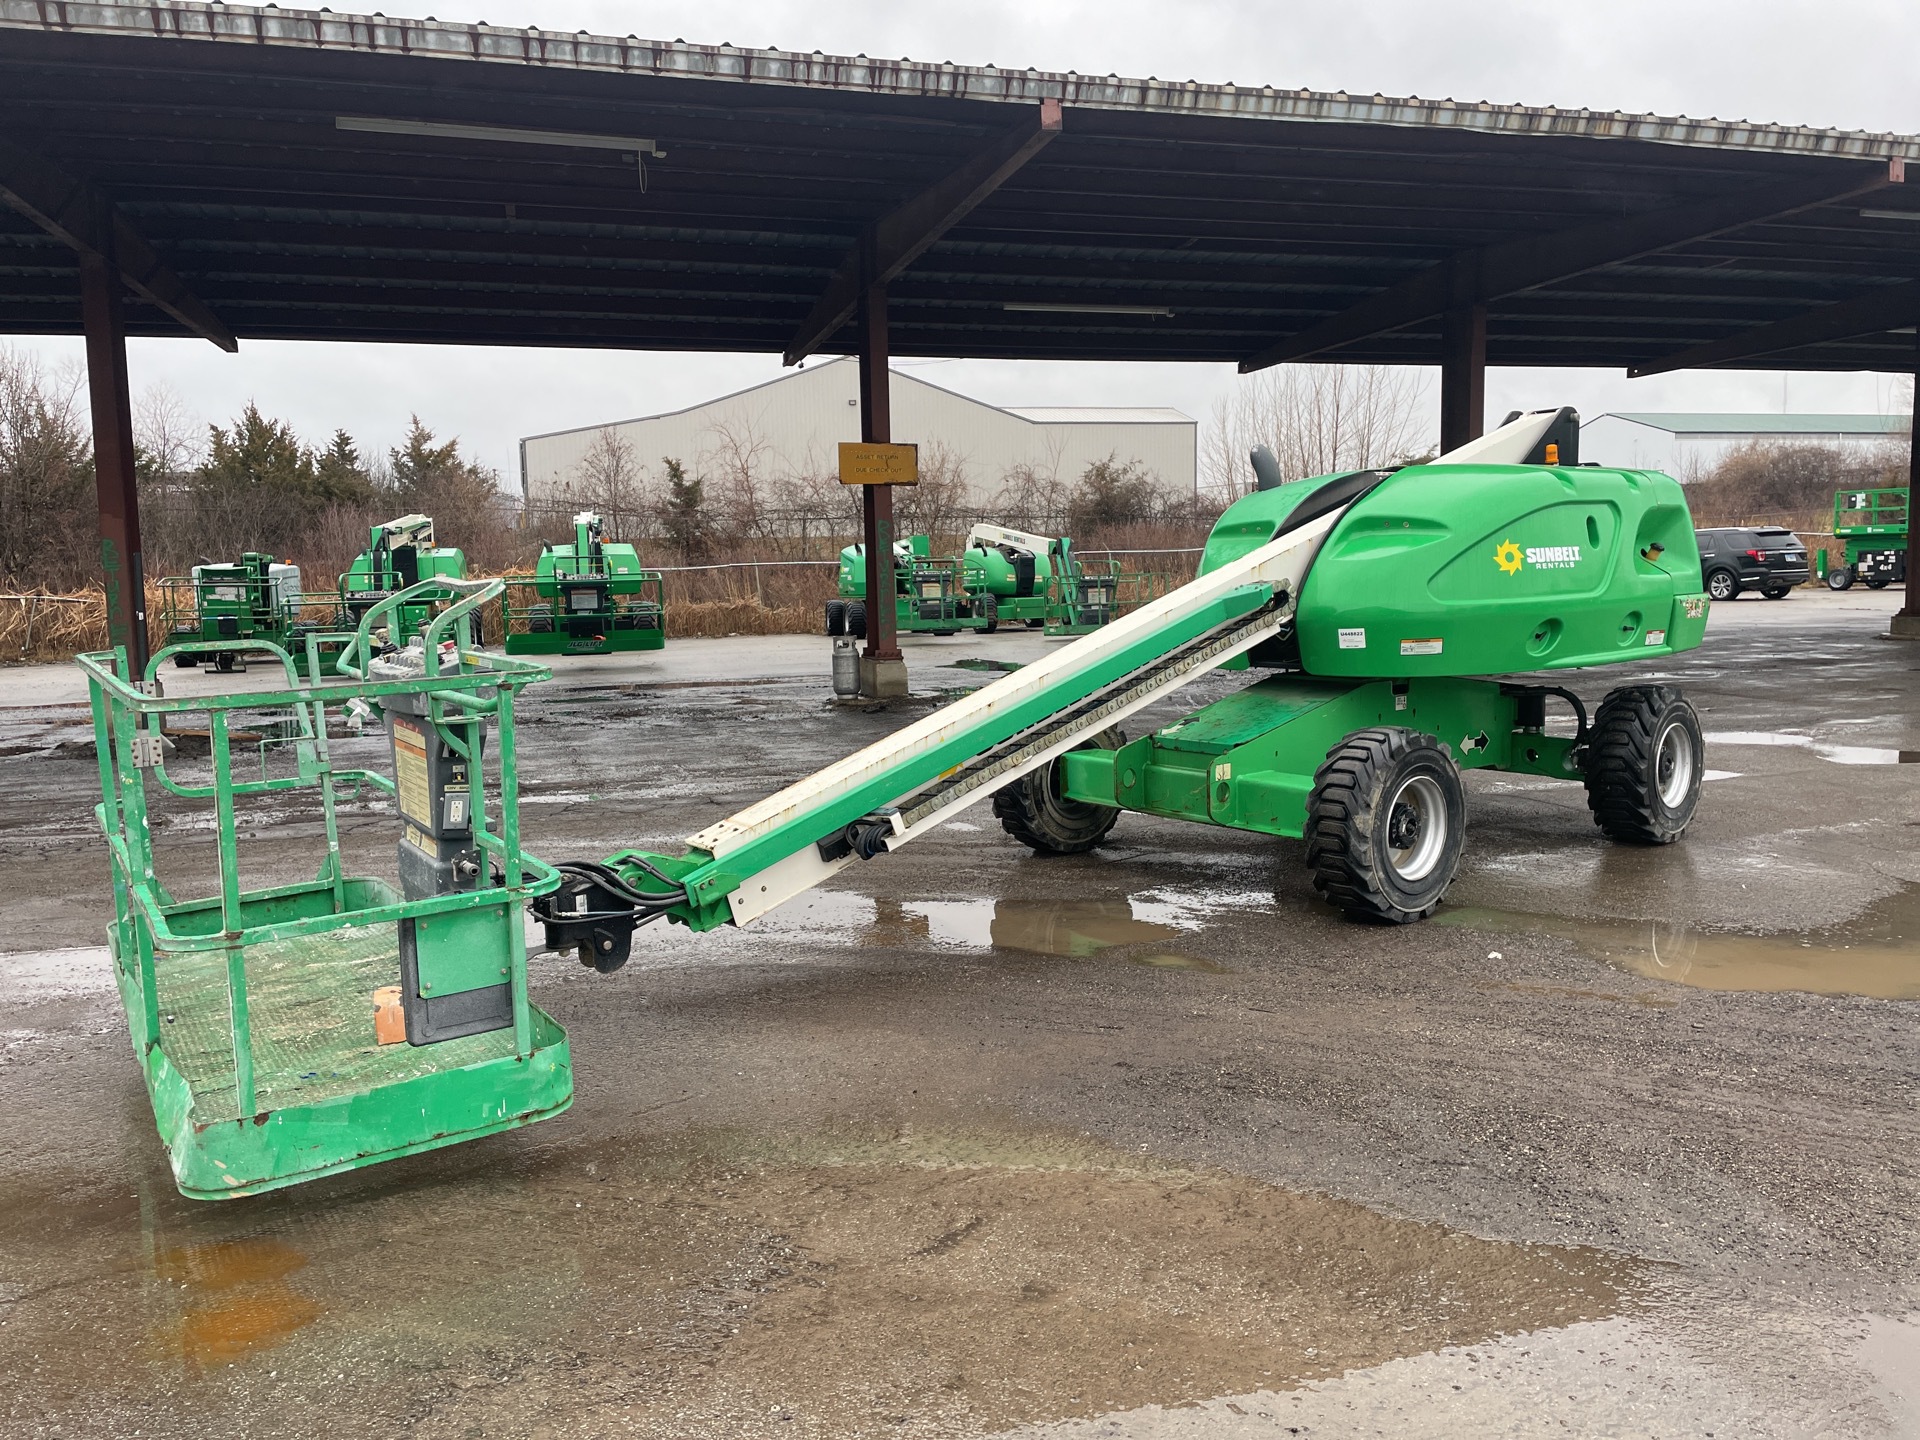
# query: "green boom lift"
x,y
1001,576
1873,523
253,599
399,553
588,596
1369,610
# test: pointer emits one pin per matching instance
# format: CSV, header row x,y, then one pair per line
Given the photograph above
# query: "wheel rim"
x,y
1720,587
1416,828
1673,765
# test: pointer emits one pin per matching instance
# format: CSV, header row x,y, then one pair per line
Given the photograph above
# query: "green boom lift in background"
x,y
1372,605
254,599
399,553
1000,577
589,596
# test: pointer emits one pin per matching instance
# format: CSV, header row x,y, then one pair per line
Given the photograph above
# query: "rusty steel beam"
x,y
1463,375
72,211
876,501
898,238
1888,308
1534,260
122,568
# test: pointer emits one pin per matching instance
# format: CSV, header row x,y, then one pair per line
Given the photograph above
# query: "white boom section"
x,y
1281,563
1511,444
987,533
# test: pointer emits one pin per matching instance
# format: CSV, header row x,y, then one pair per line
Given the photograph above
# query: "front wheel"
x,y
1776,592
988,609
1879,582
1840,577
1645,761
1033,811
857,619
836,618
1386,822
1722,586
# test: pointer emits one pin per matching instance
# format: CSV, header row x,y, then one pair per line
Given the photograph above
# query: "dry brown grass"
x,y
738,598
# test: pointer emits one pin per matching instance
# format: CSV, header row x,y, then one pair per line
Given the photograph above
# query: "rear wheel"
x,y
857,619
988,609
836,618
1840,577
1645,760
1722,585
1879,582
1776,592
1033,811
1385,825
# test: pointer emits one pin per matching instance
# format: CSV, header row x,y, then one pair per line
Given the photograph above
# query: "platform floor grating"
x,y
311,1004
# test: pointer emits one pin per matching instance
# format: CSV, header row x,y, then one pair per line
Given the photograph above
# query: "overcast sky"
x,y
1843,63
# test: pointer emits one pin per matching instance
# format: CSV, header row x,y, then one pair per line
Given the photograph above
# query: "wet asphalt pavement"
x,y
1139,1144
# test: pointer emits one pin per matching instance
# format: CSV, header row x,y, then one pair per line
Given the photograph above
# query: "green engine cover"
x,y
1489,569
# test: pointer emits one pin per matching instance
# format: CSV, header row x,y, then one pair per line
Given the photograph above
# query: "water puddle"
x,y
844,1280
236,1298
1877,955
1838,754
997,667
49,974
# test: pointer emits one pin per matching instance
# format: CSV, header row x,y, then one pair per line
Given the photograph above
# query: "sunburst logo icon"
x,y
1509,557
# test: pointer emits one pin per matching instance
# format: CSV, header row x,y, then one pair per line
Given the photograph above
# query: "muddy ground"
x,y
1146,1143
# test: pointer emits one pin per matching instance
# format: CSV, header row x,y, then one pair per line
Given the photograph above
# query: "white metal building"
x,y
794,426
1686,446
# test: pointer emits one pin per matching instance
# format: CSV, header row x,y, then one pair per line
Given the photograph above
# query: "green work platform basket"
x,y
254,1012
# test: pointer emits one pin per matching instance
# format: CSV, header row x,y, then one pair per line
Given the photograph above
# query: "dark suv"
x,y
1767,558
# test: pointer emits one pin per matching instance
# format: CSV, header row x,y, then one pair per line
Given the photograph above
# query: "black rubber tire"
x,y
1032,811
1355,811
1627,759
987,607
836,618
1723,585
1879,582
1036,624
1777,592
185,660
1840,577
857,619
223,661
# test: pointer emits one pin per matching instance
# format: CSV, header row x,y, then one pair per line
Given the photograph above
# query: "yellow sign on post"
x,y
864,464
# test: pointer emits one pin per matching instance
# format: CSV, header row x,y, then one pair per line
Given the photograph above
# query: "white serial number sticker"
x,y
1656,637
1420,647
1353,639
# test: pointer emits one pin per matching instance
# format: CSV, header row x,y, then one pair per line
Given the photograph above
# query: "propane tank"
x,y
846,666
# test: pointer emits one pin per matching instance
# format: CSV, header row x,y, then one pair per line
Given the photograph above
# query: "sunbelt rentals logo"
x,y
1512,559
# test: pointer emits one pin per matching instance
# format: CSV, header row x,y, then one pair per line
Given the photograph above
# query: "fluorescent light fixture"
x,y
506,135
1890,214
1048,307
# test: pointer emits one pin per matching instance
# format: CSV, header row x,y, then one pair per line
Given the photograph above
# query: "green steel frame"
x,y
1248,761
536,623
250,1090
1871,522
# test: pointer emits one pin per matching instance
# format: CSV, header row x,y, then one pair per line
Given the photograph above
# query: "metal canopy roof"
x,y
1224,218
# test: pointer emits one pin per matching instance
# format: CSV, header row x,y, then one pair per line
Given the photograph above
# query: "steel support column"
x,y
883,671
1906,621
113,469
1463,375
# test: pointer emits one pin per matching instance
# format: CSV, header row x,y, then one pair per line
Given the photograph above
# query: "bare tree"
x,y
610,480
738,466
1317,420
46,476
934,506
